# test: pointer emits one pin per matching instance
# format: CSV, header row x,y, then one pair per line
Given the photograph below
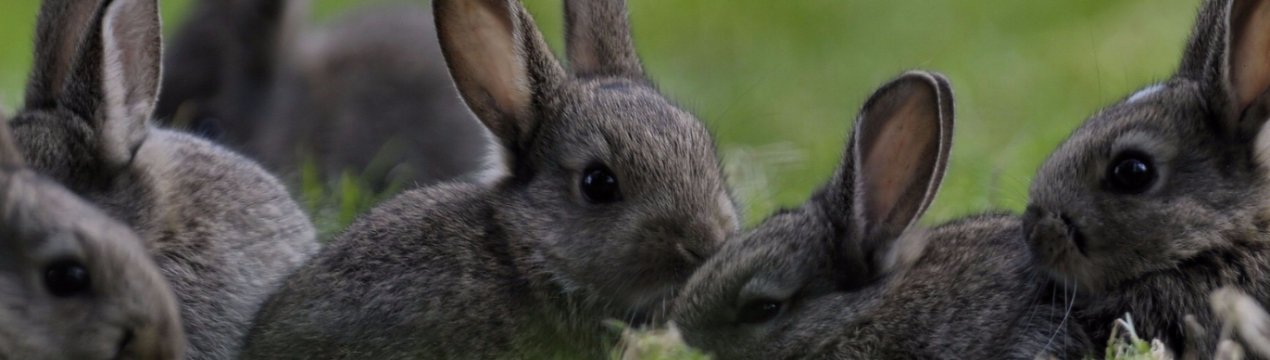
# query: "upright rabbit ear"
x,y
893,164
115,80
598,33
499,62
1229,51
61,26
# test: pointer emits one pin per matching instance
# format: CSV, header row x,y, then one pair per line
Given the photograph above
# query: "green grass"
x,y
1125,344
779,82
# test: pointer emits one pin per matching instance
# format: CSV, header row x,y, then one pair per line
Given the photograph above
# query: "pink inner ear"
x,y
1250,47
898,163
484,56
132,54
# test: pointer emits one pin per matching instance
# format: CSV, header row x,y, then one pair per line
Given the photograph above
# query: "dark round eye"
x,y
599,185
66,278
759,311
1131,173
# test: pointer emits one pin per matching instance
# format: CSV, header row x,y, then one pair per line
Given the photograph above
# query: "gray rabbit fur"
x,y
1161,198
116,303
844,277
369,93
223,231
609,198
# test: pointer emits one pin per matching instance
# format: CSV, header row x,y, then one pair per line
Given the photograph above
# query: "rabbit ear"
x,y
1230,52
115,79
499,62
61,26
894,162
598,34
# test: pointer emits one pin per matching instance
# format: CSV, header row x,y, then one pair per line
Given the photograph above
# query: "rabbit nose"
x,y
147,337
694,247
125,345
694,242
147,343
693,256
1044,228
703,242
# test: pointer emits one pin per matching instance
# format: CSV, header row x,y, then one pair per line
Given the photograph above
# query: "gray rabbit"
x,y
369,93
74,283
223,231
1158,200
844,277
609,198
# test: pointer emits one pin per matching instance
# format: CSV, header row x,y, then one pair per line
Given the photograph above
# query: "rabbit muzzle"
x,y
1058,245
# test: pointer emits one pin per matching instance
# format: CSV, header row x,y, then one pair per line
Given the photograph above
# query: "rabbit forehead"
x,y
652,144
1159,124
786,251
789,253
57,143
47,222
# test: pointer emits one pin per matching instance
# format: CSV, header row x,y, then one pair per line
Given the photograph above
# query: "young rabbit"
x,y
611,197
843,276
368,93
75,284
1157,200
223,231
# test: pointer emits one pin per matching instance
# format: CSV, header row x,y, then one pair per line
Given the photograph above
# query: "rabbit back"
x,y
225,235
976,273
401,278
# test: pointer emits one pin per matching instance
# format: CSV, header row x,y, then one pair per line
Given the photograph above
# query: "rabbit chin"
x,y
647,308
634,305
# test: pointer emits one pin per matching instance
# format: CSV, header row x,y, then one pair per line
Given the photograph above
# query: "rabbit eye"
x,y
1131,173
66,278
599,185
759,311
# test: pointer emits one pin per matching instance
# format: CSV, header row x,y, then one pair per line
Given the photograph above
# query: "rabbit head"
x,y
75,284
92,91
620,190
1172,174
813,273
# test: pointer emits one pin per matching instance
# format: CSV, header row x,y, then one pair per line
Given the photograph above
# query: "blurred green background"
x,y
779,82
